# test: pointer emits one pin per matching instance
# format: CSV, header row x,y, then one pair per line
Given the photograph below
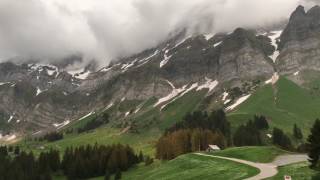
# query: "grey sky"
x,y
107,29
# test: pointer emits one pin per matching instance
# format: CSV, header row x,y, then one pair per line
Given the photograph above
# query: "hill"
x,y
283,104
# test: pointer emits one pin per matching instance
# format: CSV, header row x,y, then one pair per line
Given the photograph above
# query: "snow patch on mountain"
x,y
83,75
238,102
4,83
10,119
85,116
174,93
273,80
226,101
182,41
296,73
105,69
8,138
179,92
209,84
275,35
61,125
166,59
109,106
39,91
126,66
224,96
217,44
193,86
208,36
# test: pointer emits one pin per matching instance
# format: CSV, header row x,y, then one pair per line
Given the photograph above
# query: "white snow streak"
x,y
109,106
89,114
83,75
64,123
193,86
273,80
173,94
166,59
217,44
208,36
238,102
38,91
10,119
3,83
296,73
224,96
209,84
179,92
274,37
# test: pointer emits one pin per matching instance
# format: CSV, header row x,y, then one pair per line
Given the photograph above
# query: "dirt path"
x,y
266,169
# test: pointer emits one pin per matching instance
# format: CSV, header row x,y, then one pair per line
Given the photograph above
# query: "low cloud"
x,y
104,30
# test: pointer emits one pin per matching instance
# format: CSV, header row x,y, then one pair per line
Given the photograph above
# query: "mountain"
x,y
299,42
159,85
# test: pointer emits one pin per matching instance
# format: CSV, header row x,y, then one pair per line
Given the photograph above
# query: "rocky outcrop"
x,y
300,42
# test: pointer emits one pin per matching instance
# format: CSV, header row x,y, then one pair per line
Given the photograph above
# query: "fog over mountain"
x,y
106,30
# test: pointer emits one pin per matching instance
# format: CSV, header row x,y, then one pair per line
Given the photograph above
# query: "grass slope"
x,y
151,122
105,135
262,154
299,171
284,104
192,166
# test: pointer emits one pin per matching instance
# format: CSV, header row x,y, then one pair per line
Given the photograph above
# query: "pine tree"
x,y
140,156
261,122
297,132
281,139
314,145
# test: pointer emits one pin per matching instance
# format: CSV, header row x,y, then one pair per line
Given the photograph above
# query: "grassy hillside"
x,y
284,104
149,122
191,166
299,171
105,135
263,154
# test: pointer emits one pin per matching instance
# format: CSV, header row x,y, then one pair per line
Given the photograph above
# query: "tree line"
x,y
199,129
194,133
95,123
76,163
185,141
51,136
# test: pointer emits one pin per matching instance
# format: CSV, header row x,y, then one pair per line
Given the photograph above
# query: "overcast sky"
x,y
107,29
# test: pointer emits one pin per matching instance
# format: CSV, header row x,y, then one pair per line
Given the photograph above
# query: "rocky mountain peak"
x,y
300,11
302,25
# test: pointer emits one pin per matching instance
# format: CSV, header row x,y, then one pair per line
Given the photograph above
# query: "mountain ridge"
x,y
40,96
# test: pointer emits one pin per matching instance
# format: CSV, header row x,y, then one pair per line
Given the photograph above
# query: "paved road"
x,y
266,169
289,159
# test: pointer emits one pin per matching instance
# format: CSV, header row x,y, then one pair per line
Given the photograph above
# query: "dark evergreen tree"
x,y
281,139
314,145
261,122
297,132
247,135
141,156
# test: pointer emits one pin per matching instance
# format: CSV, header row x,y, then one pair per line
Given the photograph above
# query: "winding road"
x,y
266,169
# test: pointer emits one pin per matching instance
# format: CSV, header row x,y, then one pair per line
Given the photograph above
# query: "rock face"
x,y
300,42
38,96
